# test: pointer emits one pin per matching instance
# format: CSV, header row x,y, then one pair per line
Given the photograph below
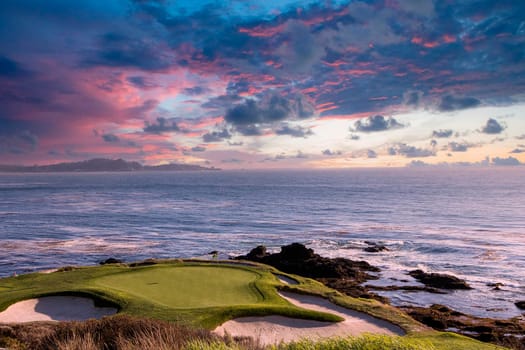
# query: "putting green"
x,y
187,286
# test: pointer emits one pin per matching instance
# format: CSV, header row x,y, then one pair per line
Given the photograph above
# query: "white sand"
x,y
57,308
286,280
275,329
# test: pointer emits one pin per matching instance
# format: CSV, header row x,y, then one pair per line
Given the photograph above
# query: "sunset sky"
x,y
263,84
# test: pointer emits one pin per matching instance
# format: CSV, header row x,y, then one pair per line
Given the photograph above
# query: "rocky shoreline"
x,y
348,276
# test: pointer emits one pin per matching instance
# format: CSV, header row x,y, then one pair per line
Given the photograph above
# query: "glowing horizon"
x,y
240,84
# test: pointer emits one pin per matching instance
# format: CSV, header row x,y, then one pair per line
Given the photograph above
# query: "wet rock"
x,y
111,261
439,280
495,286
341,274
502,332
256,254
520,305
408,288
375,247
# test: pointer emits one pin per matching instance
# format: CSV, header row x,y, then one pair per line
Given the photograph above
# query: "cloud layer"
x,y
253,79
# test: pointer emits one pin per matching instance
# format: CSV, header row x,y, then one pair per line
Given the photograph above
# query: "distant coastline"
x,y
101,165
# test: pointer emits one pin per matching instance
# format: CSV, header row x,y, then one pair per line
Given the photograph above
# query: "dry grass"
x,y
115,333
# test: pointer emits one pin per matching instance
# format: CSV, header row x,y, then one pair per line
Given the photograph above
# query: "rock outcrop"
x,y
502,332
342,274
439,280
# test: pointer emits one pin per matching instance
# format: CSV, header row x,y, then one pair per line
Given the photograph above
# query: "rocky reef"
x,y
341,274
348,276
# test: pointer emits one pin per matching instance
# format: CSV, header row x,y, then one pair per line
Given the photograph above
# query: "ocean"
x,y
469,222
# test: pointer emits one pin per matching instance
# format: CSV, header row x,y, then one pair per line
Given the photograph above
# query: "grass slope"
x,y
206,294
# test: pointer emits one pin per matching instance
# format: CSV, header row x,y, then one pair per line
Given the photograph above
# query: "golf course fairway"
x,y
188,286
204,294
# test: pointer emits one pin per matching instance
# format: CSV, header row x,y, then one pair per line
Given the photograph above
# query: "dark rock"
x,y
147,262
341,274
495,286
111,261
478,329
435,323
375,247
439,280
486,337
520,304
296,251
407,288
502,332
256,254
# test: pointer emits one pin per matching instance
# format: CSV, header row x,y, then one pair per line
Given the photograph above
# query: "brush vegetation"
x,y
193,296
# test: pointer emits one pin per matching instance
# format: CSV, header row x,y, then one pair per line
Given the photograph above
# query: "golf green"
x,y
187,286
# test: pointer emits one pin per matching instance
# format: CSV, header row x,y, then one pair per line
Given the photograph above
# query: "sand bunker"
x,y
286,280
57,308
275,329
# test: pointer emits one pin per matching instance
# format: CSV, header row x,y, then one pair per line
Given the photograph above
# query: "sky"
x,y
242,84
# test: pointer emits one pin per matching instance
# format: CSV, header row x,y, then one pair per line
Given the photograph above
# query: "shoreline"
x,y
438,317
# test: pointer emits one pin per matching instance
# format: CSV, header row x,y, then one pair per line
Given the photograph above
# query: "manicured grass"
x,y
188,286
197,293
206,294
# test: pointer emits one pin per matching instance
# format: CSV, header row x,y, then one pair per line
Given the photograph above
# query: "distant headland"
x,y
99,165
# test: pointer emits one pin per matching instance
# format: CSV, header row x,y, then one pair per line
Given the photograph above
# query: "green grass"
x,y
188,286
205,294
196,293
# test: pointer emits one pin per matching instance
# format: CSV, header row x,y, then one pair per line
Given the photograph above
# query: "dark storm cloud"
x,y
376,123
221,102
271,108
216,136
413,98
232,161
509,161
11,69
195,91
410,151
294,131
360,56
120,50
442,133
238,87
198,149
162,125
492,127
111,138
301,155
249,130
16,137
18,142
458,147
453,103
328,152
141,82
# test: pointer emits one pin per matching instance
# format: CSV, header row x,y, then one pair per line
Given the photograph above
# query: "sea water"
x,y
469,222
